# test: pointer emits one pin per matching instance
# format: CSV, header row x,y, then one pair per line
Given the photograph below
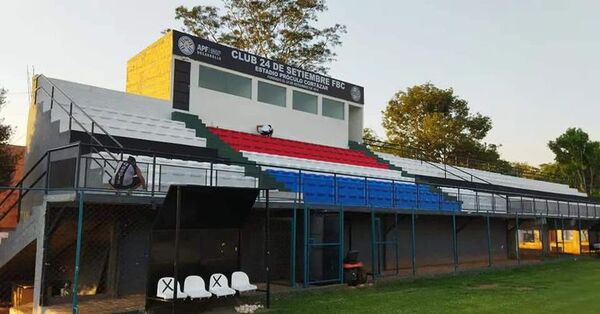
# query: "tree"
x,y
373,141
555,172
7,159
440,126
578,158
283,30
525,170
369,135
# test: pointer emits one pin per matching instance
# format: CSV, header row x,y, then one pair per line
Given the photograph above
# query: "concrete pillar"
x,y
544,237
39,213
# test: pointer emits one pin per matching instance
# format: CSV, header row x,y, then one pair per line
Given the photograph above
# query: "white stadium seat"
x,y
120,114
324,166
219,285
241,282
135,126
195,287
177,171
165,289
417,167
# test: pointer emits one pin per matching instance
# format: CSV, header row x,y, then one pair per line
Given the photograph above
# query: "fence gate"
x,y
323,246
383,249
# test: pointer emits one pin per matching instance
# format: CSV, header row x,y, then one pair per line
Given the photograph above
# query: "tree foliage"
x,y
7,159
439,125
374,142
283,30
523,169
577,160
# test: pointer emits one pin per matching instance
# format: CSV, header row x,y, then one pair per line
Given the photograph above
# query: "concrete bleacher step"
x,y
326,167
127,125
176,171
224,150
417,167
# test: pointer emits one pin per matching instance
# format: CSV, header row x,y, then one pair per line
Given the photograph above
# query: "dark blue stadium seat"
x,y
321,189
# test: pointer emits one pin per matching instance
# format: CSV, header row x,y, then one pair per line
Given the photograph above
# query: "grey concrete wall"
x,y
433,240
45,135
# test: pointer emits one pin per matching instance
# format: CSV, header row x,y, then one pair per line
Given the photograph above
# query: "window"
x,y
568,235
271,94
305,102
333,108
584,236
225,82
528,235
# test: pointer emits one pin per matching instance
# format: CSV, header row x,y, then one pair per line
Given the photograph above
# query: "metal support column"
x,y
562,232
373,243
556,237
305,237
176,253
543,236
78,254
293,248
341,246
413,250
489,240
397,236
517,239
454,243
268,248
579,228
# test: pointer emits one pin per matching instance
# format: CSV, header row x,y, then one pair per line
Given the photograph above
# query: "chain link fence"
x,y
113,252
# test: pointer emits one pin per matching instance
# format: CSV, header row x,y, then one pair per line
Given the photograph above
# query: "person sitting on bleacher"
x,y
128,176
265,129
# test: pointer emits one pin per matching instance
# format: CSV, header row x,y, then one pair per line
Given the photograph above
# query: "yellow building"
x,y
561,241
149,72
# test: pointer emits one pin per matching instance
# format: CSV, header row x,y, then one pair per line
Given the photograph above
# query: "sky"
x,y
532,66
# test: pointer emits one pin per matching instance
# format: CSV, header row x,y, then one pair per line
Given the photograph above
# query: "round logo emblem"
x,y
186,45
355,93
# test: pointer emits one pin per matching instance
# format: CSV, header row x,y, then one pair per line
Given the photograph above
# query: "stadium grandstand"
x,y
191,116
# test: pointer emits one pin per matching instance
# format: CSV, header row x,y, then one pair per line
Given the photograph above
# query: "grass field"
x,y
567,287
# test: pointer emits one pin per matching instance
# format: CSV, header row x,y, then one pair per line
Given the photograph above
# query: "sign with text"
x,y
223,56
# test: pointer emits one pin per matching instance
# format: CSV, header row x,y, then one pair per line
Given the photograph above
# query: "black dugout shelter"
x,y
186,239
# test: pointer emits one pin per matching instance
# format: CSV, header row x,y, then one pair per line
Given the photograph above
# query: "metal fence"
x,y
397,241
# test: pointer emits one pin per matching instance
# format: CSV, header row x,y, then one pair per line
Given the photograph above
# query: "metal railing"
x,y
455,163
212,172
95,126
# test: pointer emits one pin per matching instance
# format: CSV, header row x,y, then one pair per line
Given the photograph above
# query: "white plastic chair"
x,y
219,285
195,287
166,289
241,282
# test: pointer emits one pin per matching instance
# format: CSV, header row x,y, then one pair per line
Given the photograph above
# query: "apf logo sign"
x,y
355,93
186,45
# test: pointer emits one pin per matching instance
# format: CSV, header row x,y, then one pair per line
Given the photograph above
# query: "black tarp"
x,y
206,207
209,220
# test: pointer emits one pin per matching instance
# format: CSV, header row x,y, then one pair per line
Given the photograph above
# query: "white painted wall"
x,y
227,111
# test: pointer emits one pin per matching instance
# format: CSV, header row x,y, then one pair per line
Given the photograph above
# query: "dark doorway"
x,y
181,85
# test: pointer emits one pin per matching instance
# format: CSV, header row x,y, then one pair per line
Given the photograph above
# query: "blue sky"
x,y
532,66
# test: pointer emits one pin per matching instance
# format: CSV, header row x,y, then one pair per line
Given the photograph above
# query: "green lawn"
x,y
567,287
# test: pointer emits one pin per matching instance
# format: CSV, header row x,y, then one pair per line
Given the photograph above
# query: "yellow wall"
x,y
531,245
570,246
149,72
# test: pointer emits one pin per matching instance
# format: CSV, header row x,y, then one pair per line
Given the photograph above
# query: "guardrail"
x,y
219,172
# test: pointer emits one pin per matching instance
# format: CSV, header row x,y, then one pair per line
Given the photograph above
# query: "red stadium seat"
x,y
278,146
